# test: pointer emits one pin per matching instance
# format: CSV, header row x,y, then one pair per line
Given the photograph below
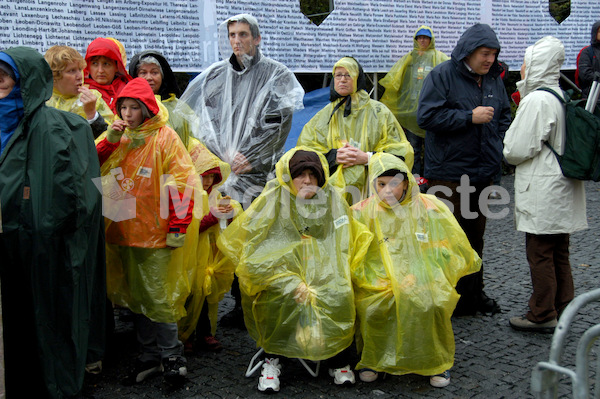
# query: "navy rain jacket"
x,y
453,144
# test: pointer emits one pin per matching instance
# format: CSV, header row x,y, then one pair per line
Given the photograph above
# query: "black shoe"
x,y
233,319
141,371
488,305
175,370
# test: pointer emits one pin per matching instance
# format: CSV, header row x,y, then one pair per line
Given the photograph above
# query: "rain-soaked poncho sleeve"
x,y
179,119
370,127
403,85
405,289
247,112
294,271
141,179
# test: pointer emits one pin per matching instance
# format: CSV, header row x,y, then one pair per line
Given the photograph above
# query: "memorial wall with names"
x,y
376,32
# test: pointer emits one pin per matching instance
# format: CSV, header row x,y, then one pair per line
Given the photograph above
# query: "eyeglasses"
x,y
340,76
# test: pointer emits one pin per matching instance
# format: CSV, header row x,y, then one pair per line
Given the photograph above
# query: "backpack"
x,y
581,158
591,55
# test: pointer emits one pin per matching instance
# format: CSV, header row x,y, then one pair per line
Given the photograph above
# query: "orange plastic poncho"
x,y
148,172
405,290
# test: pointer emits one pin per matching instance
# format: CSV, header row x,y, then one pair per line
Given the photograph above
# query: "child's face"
x,y
391,188
103,69
208,181
131,113
306,184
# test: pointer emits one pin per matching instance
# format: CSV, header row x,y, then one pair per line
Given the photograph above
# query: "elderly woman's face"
x,y
70,80
342,82
6,84
152,74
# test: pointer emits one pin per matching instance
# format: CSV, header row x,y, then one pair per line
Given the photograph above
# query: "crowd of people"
x,y
121,192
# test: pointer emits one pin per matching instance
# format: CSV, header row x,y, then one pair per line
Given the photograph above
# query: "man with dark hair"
x,y
465,110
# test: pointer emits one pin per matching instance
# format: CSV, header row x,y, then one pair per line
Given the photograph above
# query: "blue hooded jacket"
x,y
454,146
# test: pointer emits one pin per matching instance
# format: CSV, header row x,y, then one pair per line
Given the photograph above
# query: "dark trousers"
x,y
548,257
469,287
418,145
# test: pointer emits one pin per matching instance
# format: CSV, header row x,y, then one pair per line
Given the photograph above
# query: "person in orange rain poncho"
x,y
405,290
294,248
148,183
213,274
69,93
105,70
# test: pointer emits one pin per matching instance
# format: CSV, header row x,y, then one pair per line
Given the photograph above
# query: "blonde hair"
x,y
58,57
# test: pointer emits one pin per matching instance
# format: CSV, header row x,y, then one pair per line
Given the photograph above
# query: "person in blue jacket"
x,y
465,111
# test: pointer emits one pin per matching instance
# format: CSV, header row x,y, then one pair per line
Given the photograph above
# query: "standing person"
x,y
69,93
244,105
351,128
294,249
548,205
465,110
146,251
404,289
403,84
154,67
589,61
105,70
51,236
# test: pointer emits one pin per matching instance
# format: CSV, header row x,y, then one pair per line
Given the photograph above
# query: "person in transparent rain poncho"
x,y
244,106
405,289
294,249
351,128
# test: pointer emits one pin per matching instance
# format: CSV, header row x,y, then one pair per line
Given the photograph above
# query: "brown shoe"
x,y
521,323
210,343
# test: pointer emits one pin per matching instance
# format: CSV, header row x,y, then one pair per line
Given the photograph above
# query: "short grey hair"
x,y
247,19
149,60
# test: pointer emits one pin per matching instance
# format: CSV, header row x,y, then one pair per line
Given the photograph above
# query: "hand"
x,y
240,164
301,293
349,156
88,99
115,131
482,115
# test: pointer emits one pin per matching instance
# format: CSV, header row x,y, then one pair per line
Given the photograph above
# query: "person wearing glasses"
x,y
351,128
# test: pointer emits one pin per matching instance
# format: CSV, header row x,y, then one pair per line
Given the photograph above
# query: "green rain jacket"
x,y
405,289
52,241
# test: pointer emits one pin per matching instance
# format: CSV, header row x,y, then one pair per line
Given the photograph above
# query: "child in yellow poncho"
x,y
405,289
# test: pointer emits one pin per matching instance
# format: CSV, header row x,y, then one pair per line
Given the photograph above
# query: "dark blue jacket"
x,y
454,146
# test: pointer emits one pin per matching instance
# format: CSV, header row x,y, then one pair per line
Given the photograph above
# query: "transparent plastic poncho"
x,y
212,275
405,289
405,79
293,264
247,112
149,168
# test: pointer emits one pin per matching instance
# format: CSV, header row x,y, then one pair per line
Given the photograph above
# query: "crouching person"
x,y
294,248
405,288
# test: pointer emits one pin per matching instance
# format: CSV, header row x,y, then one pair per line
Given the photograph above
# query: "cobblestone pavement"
x,y
492,360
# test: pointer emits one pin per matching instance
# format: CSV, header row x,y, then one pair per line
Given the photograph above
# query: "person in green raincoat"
x,y
69,92
51,236
294,248
351,128
405,290
403,84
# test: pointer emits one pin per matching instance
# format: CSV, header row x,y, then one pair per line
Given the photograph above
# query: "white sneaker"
x,y
368,375
440,380
269,378
342,376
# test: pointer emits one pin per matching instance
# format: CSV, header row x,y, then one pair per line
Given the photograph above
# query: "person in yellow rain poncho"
x,y
154,67
148,184
294,248
213,274
69,93
403,84
405,289
352,127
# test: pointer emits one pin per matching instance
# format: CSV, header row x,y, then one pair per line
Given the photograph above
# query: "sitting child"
x,y
405,289
294,248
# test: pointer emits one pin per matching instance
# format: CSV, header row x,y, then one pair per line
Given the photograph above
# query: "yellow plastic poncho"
x,y
213,273
142,273
178,120
285,250
72,104
405,289
370,127
404,81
